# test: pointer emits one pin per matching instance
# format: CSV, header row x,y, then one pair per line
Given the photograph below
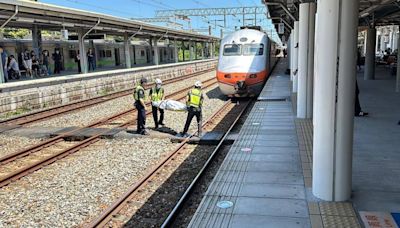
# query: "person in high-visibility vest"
x,y
194,104
140,105
156,94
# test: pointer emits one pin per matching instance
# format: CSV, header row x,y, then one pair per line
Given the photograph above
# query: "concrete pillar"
x,y
127,49
37,40
365,42
134,54
151,50
156,59
291,55
288,47
2,76
82,52
176,54
398,65
294,72
335,74
369,67
306,60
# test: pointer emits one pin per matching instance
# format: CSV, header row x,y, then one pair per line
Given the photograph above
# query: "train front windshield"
x,y
232,49
253,49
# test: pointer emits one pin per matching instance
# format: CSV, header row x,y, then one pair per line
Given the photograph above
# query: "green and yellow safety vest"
x,y
137,90
157,96
194,98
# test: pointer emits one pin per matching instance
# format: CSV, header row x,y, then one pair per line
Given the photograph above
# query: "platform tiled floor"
x,y
267,174
262,174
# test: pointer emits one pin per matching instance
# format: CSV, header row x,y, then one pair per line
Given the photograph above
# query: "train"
x,y
246,58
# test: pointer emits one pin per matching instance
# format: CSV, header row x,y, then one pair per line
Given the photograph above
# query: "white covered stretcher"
x,y
170,105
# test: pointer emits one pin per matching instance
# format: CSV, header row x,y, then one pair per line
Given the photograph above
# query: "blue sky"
x,y
147,8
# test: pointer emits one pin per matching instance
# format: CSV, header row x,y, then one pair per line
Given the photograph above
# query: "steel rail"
x,y
66,108
107,215
38,165
186,194
10,157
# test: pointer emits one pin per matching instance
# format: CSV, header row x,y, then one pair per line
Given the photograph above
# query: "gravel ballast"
x,y
79,187
11,144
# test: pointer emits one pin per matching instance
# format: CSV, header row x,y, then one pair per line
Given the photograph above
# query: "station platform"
x,y
266,178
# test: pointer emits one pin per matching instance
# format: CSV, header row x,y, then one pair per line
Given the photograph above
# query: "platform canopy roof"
x,y
24,14
371,12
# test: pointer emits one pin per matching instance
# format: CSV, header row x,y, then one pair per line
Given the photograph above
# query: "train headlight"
x,y
253,76
228,76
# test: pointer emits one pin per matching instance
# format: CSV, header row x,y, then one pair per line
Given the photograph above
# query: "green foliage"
x,y
17,112
15,33
105,91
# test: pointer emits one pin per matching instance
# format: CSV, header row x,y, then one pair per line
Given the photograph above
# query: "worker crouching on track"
x,y
156,94
194,103
139,96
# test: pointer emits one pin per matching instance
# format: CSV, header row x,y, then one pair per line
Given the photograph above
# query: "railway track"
x,y
24,162
19,121
116,209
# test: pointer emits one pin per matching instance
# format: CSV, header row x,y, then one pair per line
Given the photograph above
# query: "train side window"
x,y
232,49
253,49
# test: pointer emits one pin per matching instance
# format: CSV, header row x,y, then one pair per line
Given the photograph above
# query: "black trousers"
x,y
192,113
57,67
155,110
357,106
79,67
141,118
91,64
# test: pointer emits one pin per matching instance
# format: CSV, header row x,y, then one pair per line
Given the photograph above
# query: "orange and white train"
x,y
245,61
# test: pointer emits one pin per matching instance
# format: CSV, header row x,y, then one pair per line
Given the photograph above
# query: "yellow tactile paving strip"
x,y
322,214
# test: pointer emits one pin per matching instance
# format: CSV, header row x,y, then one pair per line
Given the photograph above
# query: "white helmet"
x,y
198,84
158,81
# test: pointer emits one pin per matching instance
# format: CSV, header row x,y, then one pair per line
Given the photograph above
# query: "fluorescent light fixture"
x,y
364,14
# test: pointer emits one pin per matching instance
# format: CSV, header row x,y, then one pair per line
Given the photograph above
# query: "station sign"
x,y
374,219
89,37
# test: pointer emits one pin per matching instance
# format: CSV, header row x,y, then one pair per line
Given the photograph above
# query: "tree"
x,y
15,33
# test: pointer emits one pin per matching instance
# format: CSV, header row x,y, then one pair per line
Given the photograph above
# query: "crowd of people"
x,y
30,63
35,66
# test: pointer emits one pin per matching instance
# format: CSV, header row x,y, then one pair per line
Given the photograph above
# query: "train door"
x,y
161,54
148,55
117,57
62,57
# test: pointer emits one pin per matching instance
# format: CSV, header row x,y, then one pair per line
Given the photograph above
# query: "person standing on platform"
x,y
78,61
35,64
194,103
140,105
156,94
57,61
90,56
45,62
27,62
